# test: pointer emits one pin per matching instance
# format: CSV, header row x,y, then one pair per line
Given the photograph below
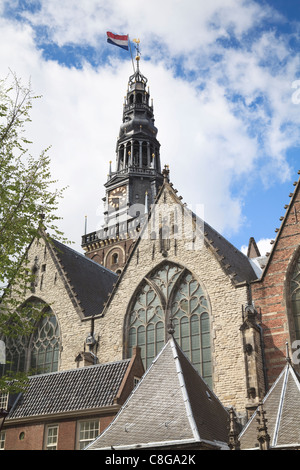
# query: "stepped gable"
x,y
171,406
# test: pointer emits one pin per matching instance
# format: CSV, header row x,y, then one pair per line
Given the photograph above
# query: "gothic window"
x,y
295,297
171,293
44,345
38,352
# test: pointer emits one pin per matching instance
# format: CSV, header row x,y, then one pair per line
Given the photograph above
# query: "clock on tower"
x,y
117,197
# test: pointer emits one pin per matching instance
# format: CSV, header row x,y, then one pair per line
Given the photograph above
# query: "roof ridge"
x,y
185,394
280,407
75,369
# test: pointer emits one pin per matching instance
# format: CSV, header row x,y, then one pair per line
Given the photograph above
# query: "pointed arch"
x,y
170,293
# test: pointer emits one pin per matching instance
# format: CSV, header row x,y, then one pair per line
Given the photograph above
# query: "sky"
x,y
224,76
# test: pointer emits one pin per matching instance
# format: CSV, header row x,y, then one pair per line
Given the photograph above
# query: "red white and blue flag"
x,y
117,40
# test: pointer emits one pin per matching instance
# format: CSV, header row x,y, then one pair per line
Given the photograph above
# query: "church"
x,y
161,313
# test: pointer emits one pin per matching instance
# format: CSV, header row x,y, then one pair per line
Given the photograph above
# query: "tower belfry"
x,y
131,186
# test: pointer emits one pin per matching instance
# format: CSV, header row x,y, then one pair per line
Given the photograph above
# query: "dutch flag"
x,y
116,40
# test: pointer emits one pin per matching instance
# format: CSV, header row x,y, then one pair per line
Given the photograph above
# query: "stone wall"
x,y
225,299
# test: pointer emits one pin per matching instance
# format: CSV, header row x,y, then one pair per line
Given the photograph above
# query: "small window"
x,y
136,381
4,400
115,258
52,438
88,431
2,440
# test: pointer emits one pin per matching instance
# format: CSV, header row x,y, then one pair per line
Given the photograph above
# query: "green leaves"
x,y
26,187
28,202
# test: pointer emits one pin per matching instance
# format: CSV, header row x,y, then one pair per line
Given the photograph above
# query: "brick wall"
x,y
271,293
32,437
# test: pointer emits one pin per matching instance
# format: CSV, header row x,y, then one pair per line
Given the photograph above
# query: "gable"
x,y
170,406
171,228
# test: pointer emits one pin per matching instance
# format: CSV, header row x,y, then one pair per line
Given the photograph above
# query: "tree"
x,y
28,199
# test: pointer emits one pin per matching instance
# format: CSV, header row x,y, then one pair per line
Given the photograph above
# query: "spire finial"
x,y
171,329
166,172
262,436
138,53
233,438
288,359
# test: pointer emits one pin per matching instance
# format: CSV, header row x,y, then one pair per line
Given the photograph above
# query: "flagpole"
x,y
131,53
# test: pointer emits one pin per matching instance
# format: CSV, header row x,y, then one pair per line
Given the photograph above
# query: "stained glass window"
x,y
38,352
295,297
171,292
44,345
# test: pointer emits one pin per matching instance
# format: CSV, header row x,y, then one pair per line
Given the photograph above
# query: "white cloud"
x,y
209,141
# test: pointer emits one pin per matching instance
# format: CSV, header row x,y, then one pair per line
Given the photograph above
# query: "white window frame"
x,y
85,441
2,440
4,401
51,445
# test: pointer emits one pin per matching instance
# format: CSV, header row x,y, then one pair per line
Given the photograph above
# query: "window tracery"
x,y
171,293
37,352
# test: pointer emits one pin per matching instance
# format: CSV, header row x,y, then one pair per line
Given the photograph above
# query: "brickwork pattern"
x,y
271,293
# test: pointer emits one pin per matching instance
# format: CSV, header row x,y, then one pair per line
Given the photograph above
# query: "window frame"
x,y
166,293
2,440
86,441
20,351
50,446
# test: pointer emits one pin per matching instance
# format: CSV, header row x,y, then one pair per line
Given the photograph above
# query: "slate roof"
x,y
91,282
171,405
282,407
71,390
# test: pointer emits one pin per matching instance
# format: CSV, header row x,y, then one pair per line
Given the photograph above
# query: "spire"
x,y
137,140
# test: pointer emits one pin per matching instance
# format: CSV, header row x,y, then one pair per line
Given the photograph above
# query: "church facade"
x,y
155,272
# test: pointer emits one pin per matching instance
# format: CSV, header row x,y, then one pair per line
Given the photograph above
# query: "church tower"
x,y
132,187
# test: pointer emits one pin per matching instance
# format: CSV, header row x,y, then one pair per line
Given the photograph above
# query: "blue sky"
x,y
223,75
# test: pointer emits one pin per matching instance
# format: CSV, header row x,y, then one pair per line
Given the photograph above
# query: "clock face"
x,y
117,197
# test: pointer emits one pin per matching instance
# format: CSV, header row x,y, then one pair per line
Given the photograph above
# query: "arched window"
x,y
115,258
295,297
171,293
38,352
44,344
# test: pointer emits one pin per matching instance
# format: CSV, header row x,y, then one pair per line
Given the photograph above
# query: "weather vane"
x,y
138,52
